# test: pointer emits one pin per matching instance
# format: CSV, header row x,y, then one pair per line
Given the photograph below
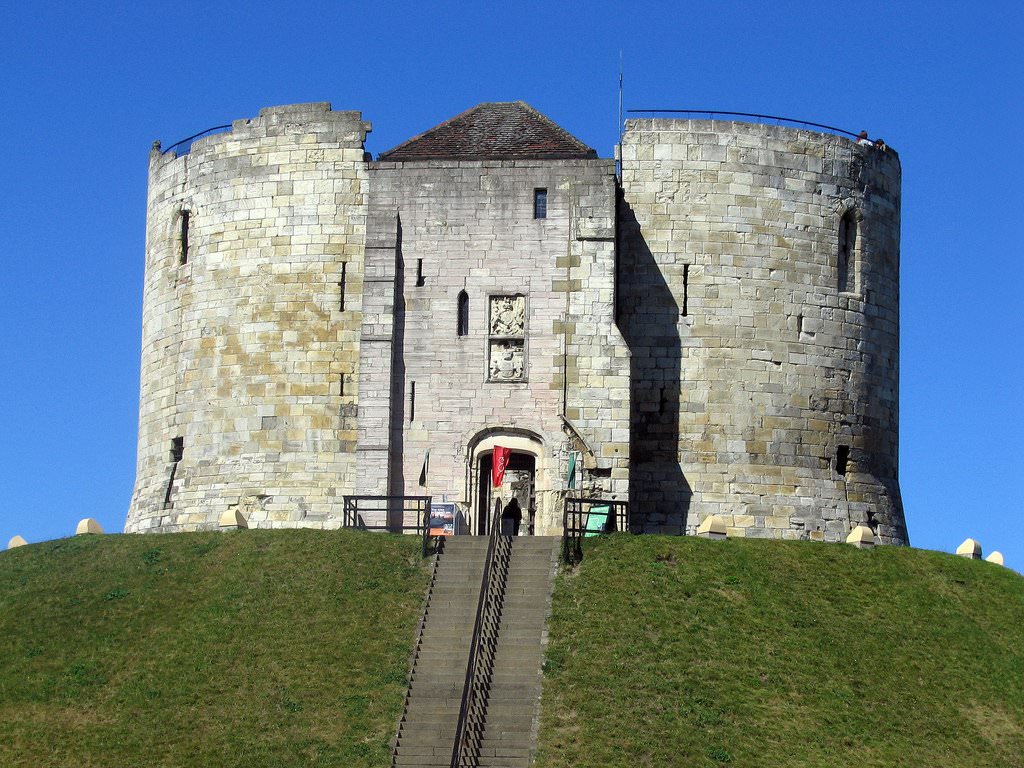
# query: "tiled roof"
x,y
497,130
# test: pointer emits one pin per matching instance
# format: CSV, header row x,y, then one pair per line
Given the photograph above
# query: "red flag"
x,y
498,463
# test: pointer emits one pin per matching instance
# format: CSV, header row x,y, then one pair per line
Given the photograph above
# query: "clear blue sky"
x,y
88,86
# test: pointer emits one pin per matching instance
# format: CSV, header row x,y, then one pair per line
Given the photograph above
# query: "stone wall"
x,y
540,344
722,340
248,358
761,390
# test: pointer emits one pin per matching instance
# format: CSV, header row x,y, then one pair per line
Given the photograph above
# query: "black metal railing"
x,y
414,661
590,517
396,514
192,138
713,112
482,648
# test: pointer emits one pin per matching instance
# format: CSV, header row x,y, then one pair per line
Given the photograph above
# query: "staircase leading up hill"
x,y
501,729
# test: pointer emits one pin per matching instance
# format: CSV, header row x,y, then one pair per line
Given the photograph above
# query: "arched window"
x,y
462,323
847,263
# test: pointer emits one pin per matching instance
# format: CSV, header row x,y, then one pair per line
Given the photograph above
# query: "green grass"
x,y
290,648
686,652
255,648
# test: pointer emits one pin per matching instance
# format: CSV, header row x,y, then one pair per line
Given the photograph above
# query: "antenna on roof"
x,y
620,94
618,132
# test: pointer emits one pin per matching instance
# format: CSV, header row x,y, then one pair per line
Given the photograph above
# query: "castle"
x,y
711,330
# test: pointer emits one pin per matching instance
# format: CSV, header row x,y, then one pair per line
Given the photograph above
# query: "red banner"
x,y
498,463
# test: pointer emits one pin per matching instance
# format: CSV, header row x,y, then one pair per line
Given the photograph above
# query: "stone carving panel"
x,y
508,316
506,360
506,326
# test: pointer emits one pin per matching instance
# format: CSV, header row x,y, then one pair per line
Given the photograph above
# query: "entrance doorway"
x,y
516,497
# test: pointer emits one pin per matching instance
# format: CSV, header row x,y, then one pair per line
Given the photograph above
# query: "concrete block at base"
x,y
88,525
995,557
17,541
233,518
970,549
712,527
861,537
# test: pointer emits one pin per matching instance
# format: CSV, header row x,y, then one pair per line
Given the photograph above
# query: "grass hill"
x,y
253,649
290,648
687,652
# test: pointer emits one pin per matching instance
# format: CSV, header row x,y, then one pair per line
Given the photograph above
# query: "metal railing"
x,y
590,517
482,648
713,112
415,657
192,138
395,514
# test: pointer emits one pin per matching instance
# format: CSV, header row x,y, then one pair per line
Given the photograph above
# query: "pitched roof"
x,y
496,130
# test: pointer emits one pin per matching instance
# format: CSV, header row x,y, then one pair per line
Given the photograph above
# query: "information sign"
x,y
442,518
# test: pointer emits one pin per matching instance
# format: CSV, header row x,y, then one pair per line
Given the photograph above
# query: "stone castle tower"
x,y
715,331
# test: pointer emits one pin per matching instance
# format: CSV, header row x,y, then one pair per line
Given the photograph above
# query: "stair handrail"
x,y
417,645
474,646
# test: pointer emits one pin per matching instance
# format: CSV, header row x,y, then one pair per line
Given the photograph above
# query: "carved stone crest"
x,y
508,315
507,330
506,358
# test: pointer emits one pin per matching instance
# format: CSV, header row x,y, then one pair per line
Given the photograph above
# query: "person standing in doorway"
x,y
511,518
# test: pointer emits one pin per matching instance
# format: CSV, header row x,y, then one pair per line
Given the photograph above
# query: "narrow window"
x,y
341,286
462,323
412,401
540,203
420,282
183,245
177,452
842,457
847,246
686,289
341,384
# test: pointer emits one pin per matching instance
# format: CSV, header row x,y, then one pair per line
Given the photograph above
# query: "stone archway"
x,y
526,480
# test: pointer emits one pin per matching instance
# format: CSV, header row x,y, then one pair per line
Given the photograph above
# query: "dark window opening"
x,y
686,289
540,203
177,451
183,254
341,286
462,322
420,282
872,521
847,245
412,401
341,384
842,458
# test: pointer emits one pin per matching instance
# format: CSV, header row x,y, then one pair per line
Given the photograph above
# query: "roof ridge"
x,y
568,136
492,130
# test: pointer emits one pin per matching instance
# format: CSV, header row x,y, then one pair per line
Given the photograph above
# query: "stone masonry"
x,y
764,391
715,331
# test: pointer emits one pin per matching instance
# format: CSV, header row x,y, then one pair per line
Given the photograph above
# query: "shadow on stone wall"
x,y
880,459
399,401
648,316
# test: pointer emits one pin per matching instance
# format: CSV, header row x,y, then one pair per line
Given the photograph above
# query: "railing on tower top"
x,y
484,607
192,138
590,517
713,112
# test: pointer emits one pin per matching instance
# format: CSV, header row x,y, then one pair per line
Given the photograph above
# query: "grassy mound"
x,y
685,652
254,648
